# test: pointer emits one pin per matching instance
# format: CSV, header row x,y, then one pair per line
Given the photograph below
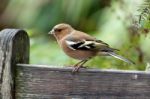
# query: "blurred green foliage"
x,y
123,24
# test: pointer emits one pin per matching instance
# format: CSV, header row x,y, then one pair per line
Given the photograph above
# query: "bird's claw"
x,y
76,68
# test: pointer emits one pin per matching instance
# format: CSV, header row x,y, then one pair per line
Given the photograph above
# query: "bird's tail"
x,y
120,57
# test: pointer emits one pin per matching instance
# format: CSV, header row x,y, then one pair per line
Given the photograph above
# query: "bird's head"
x,y
61,30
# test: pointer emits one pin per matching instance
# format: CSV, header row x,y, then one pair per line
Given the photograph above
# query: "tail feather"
x,y
120,57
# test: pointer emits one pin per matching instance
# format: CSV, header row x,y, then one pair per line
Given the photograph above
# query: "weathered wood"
x,y
44,82
14,48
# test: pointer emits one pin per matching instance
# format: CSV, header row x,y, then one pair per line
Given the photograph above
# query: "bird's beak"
x,y
51,32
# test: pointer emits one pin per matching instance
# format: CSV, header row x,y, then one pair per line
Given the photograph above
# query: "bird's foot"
x,y
76,69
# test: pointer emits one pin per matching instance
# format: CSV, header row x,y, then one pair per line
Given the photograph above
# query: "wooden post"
x,y
14,48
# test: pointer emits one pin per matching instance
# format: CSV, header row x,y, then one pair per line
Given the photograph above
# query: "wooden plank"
x,y
14,48
44,82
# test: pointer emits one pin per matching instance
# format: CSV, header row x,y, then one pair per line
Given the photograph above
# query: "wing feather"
x,y
86,45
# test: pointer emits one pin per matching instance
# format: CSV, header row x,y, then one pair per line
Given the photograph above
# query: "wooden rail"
x,y
21,80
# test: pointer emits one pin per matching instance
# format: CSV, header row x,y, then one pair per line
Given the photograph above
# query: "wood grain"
x,y
37,82
14,48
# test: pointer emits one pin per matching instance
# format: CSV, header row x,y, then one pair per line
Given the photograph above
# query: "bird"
x,y
82,46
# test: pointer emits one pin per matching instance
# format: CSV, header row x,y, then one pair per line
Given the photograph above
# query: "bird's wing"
x,y
80,45
86,44
81,41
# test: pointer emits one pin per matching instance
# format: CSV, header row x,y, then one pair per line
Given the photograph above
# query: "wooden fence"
x,y
21,80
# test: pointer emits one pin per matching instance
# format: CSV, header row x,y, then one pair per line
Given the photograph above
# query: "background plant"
x,y
123,24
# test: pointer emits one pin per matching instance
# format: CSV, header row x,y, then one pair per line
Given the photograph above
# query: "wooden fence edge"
x,y
92,70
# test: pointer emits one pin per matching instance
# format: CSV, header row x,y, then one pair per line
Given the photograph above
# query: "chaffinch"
x,y
82,46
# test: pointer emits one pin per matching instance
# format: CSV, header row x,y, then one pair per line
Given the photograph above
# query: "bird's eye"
x,y
58,30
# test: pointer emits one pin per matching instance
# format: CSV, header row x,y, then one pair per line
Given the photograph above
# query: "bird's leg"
x,y
79,65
